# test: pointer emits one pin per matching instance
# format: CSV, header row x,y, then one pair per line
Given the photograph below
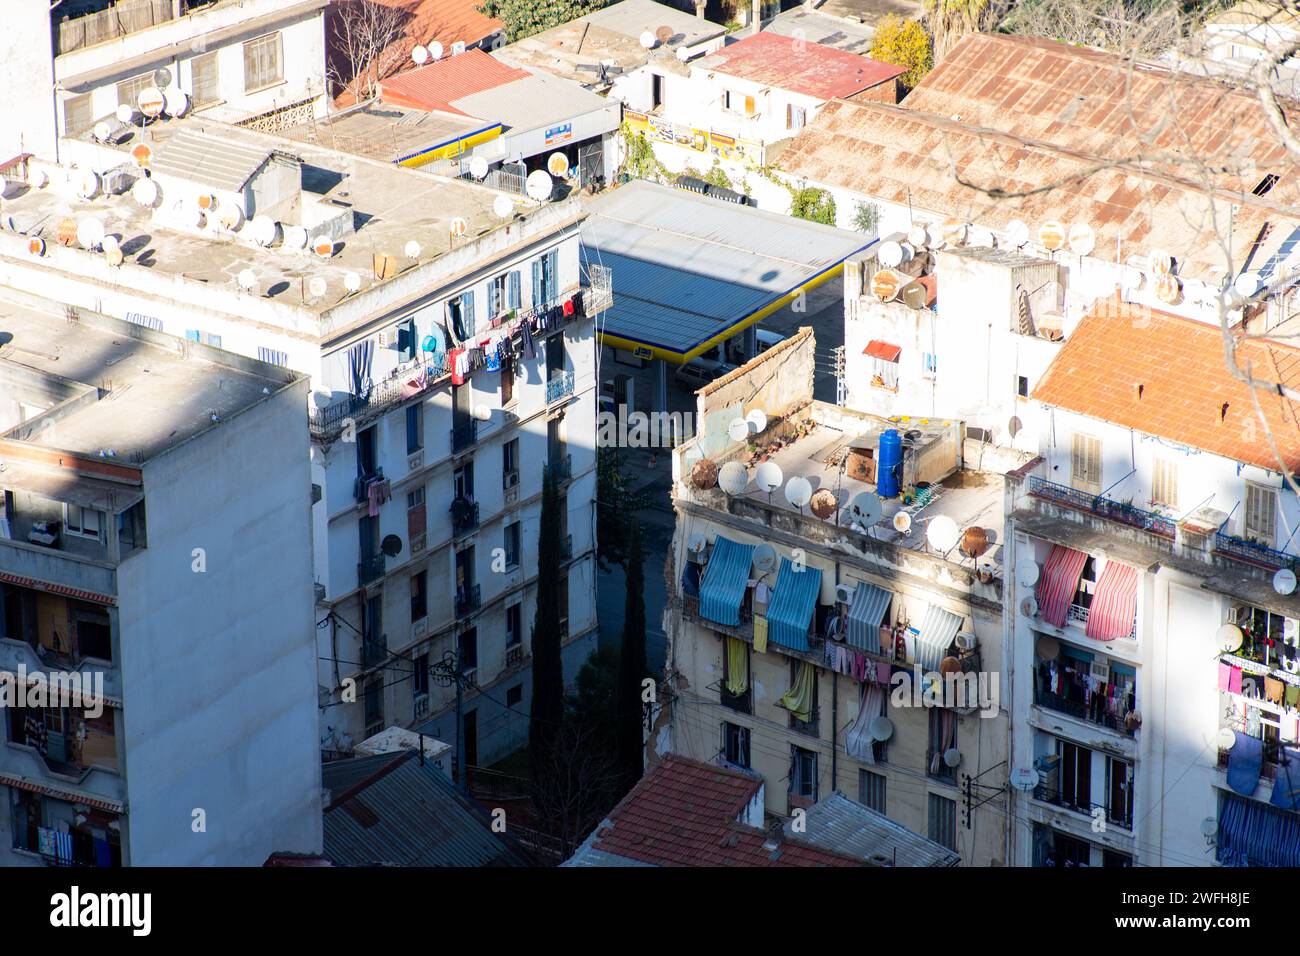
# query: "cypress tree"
x,y
548,673
631,665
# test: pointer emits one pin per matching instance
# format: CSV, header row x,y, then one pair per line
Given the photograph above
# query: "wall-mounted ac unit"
x,y
1100,669
415,461
511,478
421,705
1238,614
419,627
387,338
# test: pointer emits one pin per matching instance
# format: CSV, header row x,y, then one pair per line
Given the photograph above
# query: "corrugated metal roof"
x,y
209,161
841,824
389,810
687,268
808,68
438,85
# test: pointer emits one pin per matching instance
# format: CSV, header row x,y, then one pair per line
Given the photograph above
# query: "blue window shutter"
x,y
192,334
552,270
512,290
538,298
470,325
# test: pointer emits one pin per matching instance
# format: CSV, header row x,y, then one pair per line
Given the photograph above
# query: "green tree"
x,y
617,503
903,43
548,674
815,205
523,18
632,666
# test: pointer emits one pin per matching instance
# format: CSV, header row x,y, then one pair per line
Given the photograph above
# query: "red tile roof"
x,y
803,67
683,813
436,86
1187,393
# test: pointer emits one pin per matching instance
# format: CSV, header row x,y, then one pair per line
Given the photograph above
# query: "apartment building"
x,y
1153,614
805,631
449,338
156,625
76,63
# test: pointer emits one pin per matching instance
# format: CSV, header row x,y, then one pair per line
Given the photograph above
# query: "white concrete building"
x,y
155,542
400,294
72,64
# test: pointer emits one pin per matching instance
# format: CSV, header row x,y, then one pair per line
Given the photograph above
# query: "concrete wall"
x,y
30,124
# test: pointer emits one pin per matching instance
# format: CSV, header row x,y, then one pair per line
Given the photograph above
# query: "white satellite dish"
x,y
316,286
90,233
175,102
458,226
952,757
420,54
1161,261
539,185
891,254
757,420
1082,239
102,131
247,279
738,429
903,522
435,50
866,508
980,237
916,236
880,728
768,477
557,164
1284,581
503,207
1229,638
1017,233
764,557
798,491
412,250
88,185
113,257
1027,574
145,192
263,230
478,167
1024,779
295,237
732,478
110,243
351,281
37,178
934,236
231,217
647,40
1029,607
1226,738
125,113
151,102
1247,284
942,533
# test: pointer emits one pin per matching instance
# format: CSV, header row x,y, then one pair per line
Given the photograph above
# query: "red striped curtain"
x,y
1058,582
1114,603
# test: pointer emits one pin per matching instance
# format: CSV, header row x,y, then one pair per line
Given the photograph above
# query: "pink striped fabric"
x,y
1114,603
1058,582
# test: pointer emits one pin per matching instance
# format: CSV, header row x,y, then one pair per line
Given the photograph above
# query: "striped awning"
x,y
61,793
1254,834
866,612
1114,603
722,588
62,589
938,628
793,601
1058,582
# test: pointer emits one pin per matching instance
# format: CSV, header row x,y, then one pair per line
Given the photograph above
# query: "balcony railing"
x,y
559,388
560,469
1078,614
464,435
1103,507
468,599
1121,817
361,489
464,516
370,569
1080,711
1251,551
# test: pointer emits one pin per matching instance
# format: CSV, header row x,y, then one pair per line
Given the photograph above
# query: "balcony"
x,y
1080,711
464,435
374,651
468,600
464,516
1078,614
1102,507
361,488
559,388
1121,816
370,570
559,468
515,655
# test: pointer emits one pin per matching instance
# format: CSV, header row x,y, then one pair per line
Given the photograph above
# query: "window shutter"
x,y
1164,483
1261,508
789,116
1085,462
749,106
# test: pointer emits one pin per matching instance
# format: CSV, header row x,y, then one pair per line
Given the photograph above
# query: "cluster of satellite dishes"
x,y
422,54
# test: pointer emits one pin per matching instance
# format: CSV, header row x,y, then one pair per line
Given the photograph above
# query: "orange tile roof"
x,y
437,85
808,68
1188,395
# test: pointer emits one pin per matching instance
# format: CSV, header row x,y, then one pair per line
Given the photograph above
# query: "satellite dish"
x,y
231,217
934,236
539,185
478,167
435,50
738,429
90,233
247,279
886,284
1168,288
732,477
768,477
1161,261
351,282
316,286
503,207
557,164
880,728
124,113
207,202
391,545
162,78
323,247
866,508
664,34
1024,779
891,254
1247,284
420,54
37,178
175,101
647,40
109,243
1048,648
1052,235
1017,233
908,250
942,533
696,543
757,420
113,257
145,192
412,250
954,232
798,491
88,185
903,522
981,238
823,503
764,557
916,236
1082,239
1029,607
295,237
952,757
36,246
151,102
843,593
1229,638
458,226
1027,574
1284,581
263,230
1226,738
102,131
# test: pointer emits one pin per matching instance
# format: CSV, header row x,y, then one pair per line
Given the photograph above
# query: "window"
x,y
546,286
884,364
735,745
1082,598
737,702
1164,483
460,313
128,91
1022,386
262,62
1085,463
804,727
1261,509
374,703
514,632
515,695
738,102
1119,792
82,522
795,117
803,773
205,80
1075,776
512,544
414,427
943,737
467,649
510,462
414,499
420,666
419,595
78,115
366,453
462,482
929,365
273,357
943,821
203,338
504,292
871,790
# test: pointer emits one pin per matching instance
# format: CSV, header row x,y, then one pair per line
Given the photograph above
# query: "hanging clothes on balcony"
x,y
1286,787
1114,603
1254,834
1058,582
858,742
737,667
360,360
938,628
799,698
1244,762
760,633
866,612
725,578
691,579
794,599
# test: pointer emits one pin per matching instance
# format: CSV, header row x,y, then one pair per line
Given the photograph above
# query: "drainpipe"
x,y
756,15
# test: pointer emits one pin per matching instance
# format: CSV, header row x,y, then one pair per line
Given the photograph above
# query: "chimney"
x,y
756,15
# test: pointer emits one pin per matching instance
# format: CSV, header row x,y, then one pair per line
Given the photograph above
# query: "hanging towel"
x,y
454,357
1244,761
1273,690
1286,788
760,633
858,742
1292,695
1225,675
1234,681
799,698
737,667
882,673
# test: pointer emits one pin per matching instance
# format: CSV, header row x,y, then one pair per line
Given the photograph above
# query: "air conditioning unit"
x,y
415,461
512,496
458,48
387,338
1238,614
471,676
1100,669
419,627
511,478
967,642
421,705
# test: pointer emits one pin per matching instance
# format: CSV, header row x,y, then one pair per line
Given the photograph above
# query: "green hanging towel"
x,y
737,667
1292,695
799,698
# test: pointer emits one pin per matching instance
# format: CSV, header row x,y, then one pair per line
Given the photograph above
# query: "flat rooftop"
x,y
387,133
110,386
842,34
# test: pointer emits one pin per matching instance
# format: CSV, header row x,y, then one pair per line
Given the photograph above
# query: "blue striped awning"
x,y
938,628
866,612
1254,834
793,601
723,587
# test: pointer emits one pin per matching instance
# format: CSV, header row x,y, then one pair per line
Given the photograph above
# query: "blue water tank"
x,y
890,464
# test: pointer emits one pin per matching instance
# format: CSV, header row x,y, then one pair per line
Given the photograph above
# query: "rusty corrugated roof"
x,y
789,63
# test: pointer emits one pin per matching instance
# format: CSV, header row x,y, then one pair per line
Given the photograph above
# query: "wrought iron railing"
x,y
1103,507
1080,711
1121,816
464,516
559,388
464,435
370,569
468,599
1251,552
361,490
